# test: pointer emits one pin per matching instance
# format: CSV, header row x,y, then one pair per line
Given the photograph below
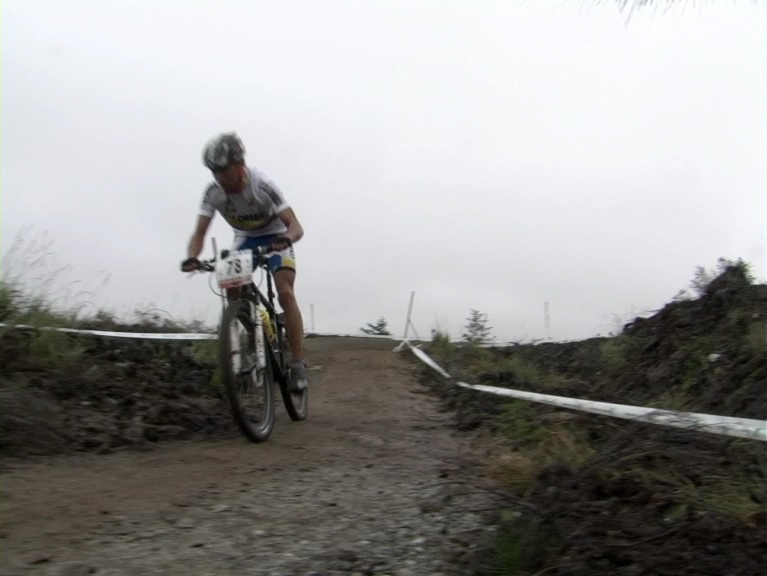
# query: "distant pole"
x,y
409,312
547,319
312,314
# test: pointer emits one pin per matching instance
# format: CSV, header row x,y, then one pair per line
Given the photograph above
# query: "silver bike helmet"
x,y
223,150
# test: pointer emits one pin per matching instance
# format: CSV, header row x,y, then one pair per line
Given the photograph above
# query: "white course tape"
x,y
425,358
363,335
173,335
725,425
145,335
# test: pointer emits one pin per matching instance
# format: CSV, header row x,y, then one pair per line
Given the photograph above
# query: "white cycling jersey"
x,y
252,212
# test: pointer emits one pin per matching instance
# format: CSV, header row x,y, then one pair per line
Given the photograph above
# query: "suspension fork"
x,y
269,289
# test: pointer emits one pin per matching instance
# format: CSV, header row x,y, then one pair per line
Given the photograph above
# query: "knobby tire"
x,y
241,389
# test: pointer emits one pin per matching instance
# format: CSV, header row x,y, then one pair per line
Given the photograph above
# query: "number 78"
x,y
235,267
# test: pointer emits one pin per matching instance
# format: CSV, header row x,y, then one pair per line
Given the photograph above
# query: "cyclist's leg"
x,y
294,326
283,267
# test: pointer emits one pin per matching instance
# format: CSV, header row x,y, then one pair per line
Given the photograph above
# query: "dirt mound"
x,y
95,394
603,496
706,355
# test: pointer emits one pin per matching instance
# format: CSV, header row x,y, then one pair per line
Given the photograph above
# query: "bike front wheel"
x,y
248,387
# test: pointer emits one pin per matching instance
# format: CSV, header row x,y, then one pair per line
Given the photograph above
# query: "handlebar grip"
x,y
189,261
265,249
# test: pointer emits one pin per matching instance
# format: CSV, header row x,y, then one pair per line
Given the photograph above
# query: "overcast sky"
x,y
489,155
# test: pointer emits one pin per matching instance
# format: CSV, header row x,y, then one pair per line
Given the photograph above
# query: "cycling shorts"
x,y
281,260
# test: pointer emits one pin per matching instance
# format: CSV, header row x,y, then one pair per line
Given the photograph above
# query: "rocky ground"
x,y
374,482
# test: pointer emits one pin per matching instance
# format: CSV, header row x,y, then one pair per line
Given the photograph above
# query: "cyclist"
x,y
260,216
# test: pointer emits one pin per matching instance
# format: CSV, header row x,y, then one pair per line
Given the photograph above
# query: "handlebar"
x,y
259,259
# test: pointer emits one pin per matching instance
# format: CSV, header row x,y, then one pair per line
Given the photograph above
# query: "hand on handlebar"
x,y
190,265
195,265
280,243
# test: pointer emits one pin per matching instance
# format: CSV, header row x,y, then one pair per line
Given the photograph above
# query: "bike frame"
x,y
252,293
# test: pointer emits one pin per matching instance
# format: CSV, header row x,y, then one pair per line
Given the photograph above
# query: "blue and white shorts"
x,y
281,260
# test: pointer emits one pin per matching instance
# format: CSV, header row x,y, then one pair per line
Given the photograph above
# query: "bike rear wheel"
x,y
296,403
249,389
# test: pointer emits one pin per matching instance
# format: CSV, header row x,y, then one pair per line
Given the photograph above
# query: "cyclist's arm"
x,y
295,231
198,238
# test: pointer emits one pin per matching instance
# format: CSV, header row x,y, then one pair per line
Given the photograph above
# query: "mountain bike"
x,y
253,348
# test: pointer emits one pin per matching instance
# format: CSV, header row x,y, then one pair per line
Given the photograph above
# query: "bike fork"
x,y
255,312
236,353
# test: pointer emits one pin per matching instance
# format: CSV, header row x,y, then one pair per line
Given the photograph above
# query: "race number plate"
x,y
235,270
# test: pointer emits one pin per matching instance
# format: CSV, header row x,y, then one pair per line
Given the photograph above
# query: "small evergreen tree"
x,y
378,328
477,330
705,279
